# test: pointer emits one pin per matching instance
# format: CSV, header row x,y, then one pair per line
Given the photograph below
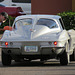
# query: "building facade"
x,y
52,6
73,5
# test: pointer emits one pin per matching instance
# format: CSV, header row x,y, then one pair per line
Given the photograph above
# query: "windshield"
x,y
47,22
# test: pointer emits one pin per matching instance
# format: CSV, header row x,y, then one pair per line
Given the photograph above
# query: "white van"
x,y
24,4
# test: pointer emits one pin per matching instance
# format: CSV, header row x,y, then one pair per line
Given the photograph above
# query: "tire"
x,y
72,57
6,59
64,58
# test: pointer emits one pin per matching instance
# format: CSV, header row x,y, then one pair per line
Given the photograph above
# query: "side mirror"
x,y
7,28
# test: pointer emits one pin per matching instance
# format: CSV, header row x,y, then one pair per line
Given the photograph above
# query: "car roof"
x,y
37,16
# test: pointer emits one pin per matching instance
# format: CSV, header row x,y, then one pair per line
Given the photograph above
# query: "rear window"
x,y
23,22
47,22
21,1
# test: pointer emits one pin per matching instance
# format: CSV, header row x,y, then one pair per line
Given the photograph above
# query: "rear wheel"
x,y
64,57
6,59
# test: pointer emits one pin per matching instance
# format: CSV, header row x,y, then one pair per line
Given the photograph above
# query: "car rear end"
x,y
32,49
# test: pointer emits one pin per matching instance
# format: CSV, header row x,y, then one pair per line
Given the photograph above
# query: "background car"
x,y
11,10
24,4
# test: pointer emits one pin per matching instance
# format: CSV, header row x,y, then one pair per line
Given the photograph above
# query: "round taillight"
x,y
6,43
55,43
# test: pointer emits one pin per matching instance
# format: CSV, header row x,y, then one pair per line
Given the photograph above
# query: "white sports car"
x,y
38,37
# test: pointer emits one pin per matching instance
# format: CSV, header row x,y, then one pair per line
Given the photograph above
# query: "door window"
x,y
23,23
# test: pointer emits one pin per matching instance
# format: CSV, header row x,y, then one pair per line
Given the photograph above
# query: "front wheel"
x,y
6,59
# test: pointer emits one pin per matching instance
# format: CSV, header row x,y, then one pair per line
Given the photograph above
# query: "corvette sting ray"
x,y
38,37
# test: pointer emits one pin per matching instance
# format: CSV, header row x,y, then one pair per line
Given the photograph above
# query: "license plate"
x,y
31,48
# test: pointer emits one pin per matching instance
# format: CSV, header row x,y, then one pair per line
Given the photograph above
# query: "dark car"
x,y
11,10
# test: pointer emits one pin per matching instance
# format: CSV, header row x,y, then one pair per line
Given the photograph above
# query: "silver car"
x,y
38,37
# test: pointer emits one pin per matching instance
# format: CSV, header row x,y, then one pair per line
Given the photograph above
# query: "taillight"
x,y
55,43
6,43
